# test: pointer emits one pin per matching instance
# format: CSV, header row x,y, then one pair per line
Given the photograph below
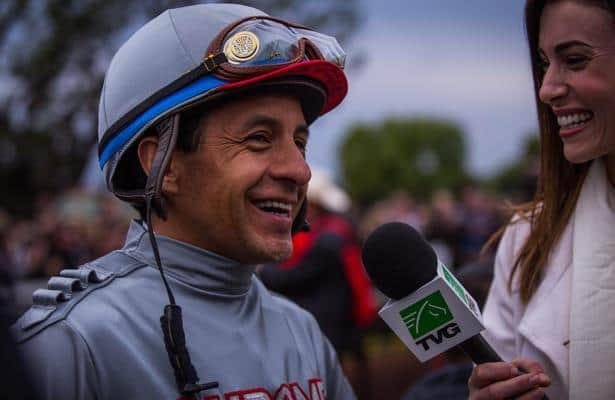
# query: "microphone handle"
x,y
480,351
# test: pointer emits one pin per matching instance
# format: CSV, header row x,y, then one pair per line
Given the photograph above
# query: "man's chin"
x,y
265,248
278,250
281,253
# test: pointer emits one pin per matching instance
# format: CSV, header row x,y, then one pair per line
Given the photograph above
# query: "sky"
x,y
464,61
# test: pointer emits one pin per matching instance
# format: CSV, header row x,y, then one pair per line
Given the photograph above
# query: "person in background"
x,y
443,227
479,221
203,125
553,294
15,383
325,275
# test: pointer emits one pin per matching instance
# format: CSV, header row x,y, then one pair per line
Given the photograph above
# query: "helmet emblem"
x,y
241,47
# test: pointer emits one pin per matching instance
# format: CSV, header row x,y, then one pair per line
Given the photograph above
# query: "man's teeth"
x,y
573,120
275,207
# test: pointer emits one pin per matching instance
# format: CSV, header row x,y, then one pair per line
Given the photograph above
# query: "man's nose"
x,y
290,164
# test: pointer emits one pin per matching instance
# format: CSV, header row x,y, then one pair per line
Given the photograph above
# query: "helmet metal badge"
x,y
242,46
202,52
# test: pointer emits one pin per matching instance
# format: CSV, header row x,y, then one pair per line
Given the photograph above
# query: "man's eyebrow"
x,y
260,119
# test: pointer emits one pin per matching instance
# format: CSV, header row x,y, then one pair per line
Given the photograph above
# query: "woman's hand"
x,y
500,380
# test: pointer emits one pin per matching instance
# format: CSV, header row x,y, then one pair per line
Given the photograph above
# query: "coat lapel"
x,y
544,323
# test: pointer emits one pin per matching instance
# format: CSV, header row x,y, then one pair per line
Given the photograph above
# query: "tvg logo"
x,y
448,332
427,315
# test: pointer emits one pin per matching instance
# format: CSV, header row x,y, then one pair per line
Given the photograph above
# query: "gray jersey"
x,y
96,334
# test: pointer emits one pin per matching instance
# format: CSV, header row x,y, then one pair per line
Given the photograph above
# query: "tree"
x,y
418,155
54,54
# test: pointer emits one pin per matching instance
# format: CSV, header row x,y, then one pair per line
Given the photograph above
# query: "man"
x,y
203,125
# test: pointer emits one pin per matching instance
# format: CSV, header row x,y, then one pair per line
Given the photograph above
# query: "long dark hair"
x,y
559,181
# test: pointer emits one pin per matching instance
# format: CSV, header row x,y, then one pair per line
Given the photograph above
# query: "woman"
x,y
553,295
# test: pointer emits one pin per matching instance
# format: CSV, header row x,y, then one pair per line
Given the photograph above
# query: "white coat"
x,y
541,330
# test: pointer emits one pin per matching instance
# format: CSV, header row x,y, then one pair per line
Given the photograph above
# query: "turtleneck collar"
x,y
189,264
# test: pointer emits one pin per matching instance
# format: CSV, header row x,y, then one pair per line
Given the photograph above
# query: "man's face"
x,y
241,190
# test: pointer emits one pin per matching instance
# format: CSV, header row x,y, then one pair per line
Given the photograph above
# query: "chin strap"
x,y
167,138
300,224
171,320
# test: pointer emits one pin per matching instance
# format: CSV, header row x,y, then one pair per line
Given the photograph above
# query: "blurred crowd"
x,y
76,226
64,231
456,226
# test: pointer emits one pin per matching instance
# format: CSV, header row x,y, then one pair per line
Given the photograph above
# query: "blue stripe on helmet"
x,y
186,93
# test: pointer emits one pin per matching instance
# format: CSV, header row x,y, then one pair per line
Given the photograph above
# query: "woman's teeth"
x,y
573,120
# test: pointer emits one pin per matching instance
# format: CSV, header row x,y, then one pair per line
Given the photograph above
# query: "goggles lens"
x,y
265,42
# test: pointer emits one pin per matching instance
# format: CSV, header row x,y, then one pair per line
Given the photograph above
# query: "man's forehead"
x,y
268,108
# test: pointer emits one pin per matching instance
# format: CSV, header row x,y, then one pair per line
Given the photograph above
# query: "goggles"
x,y
256,45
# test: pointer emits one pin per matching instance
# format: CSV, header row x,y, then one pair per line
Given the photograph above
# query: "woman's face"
x,y
577,48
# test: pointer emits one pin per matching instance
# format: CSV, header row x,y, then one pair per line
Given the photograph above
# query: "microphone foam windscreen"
x,y
398,260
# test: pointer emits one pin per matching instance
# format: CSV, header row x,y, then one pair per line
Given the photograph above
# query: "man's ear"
x,y
147,151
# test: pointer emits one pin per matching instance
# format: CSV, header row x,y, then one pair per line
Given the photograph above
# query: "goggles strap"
x,y
212,62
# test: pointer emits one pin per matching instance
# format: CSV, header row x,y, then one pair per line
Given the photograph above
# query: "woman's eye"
x,y
543,64
576,61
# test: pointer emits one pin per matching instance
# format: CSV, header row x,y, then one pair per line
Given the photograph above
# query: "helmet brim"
x,y
327,74
311,94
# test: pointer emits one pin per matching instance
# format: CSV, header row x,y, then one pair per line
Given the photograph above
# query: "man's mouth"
x,y
275,207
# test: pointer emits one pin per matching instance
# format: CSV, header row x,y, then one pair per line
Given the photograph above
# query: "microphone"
x,y
429,310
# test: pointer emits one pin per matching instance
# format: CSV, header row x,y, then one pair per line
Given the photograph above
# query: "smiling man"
x,y
203,128
245,182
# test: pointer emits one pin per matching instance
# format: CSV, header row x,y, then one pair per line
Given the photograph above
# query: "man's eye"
x,y
301,145
258,137
257,141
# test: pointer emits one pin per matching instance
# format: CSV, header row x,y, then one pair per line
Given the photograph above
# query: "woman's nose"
x,y
553,85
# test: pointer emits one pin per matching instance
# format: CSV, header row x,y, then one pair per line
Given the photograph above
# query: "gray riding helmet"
x,y
165,68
